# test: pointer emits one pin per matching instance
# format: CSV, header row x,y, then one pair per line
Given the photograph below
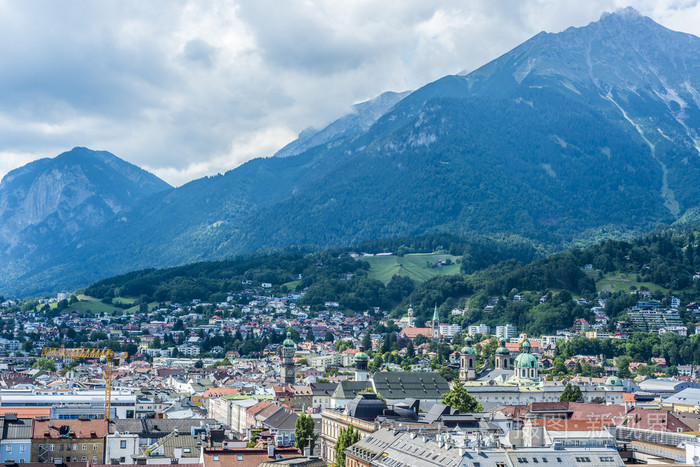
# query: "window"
x,y
558,459
239,457
187,450
21,461
8,448
52,447
94,459
216,458
94,447
22,447
83,459
122,444
84,447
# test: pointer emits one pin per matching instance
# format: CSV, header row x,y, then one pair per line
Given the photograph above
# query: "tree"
x,y
572,393
367,343
329,337
623,367
347,437
44,364
458,398
376,364
310,336
198,364
410,350
303,430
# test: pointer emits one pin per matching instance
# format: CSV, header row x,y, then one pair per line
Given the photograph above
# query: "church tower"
x,y
411,322
502,356
467,362
526,365
436,325
361,362
288,349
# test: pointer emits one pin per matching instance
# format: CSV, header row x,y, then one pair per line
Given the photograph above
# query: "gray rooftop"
x,y
689,396
12,427
156,428
350,389
402,385
282,420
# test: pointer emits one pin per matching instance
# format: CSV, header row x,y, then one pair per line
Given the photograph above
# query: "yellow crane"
x,y
108,354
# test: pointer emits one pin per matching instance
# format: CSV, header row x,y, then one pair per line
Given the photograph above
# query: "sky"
x,y
187,89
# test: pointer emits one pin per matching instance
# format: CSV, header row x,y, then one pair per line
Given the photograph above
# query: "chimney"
x,y
271,451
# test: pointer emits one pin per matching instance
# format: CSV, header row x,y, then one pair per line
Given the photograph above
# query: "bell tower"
x,y
467,362
502,356
288,350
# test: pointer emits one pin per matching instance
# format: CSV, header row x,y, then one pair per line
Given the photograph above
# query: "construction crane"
x,y
108,354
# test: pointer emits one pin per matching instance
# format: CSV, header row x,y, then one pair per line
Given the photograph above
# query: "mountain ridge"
x,y
566,139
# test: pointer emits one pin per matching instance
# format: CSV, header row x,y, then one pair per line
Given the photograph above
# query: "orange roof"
x,y
218,392
249,457
592,424
79,429
412,333
27,412
513,347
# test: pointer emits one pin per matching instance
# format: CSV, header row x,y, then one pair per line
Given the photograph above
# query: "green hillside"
x,y
418,266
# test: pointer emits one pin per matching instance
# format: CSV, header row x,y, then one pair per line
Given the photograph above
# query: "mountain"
x,y
48,203
570,137
363,116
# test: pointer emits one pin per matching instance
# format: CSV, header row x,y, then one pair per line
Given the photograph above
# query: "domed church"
x,y
520,383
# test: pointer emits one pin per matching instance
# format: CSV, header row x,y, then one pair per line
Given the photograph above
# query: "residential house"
x,y
68,440
15,438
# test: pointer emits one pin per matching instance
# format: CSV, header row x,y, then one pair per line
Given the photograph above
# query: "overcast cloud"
x,y
193,88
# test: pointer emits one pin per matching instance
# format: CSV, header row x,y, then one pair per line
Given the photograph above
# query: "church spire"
x,y
436,324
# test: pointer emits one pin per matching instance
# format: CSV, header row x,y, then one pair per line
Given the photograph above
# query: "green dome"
x,y
468,349
288,342
613,381
502,350
361,356
526,359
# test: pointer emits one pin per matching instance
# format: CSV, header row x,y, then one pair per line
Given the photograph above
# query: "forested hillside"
x,y
663,262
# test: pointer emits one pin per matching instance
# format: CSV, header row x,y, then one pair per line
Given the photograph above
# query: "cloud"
x,y
190,88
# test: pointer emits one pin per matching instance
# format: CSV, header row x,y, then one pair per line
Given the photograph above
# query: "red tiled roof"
x,y
79,429
558,424
248,457
412,333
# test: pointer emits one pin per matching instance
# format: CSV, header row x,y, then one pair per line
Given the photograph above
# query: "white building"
x,y
450,330
123,403
479,329
120,448
505,332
